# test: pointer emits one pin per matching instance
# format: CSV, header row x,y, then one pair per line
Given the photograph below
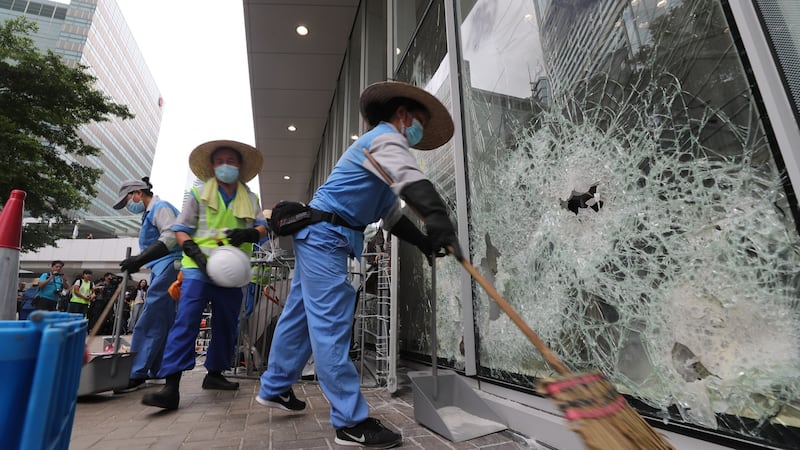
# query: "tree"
x,y
43,103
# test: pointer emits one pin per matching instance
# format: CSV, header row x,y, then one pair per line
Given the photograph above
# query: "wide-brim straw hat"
x,y
200,159
439,128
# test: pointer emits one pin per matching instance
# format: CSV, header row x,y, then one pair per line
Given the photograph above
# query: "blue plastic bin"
x,y
40,365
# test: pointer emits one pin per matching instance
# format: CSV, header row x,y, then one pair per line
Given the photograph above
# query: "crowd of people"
x,y
365,186
83,294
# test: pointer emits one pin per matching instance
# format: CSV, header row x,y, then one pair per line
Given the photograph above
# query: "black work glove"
x,y
154,251
407,231
193,251
239,236
422,196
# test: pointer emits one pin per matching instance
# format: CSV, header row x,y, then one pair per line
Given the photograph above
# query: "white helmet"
x,y
229,266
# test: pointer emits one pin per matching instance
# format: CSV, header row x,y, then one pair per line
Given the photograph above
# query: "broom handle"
x,y
109,305
537,342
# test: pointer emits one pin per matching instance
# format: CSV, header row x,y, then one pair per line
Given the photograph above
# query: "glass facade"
x,y
623,189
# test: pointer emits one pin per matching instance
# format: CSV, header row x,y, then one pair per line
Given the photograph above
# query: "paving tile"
x,y
233,420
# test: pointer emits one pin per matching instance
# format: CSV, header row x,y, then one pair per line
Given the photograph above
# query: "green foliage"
x,y
43,102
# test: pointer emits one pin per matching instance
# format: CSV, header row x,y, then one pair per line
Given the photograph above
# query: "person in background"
x,y
223,211
364,186
65,295
104,290
27,300
50,285
160,253
138,303
82,294
20,293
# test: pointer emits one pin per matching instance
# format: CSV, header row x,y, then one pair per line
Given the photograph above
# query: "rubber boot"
x,y
168,397
215,380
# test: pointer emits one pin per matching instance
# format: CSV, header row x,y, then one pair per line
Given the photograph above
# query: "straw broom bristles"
x,y
591,404
602,417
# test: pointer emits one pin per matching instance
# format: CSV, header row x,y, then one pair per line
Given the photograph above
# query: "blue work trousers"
x,y
318,318
152,326
226,303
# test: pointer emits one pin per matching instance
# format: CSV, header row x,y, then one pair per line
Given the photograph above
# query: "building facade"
x,y
94,34
625,172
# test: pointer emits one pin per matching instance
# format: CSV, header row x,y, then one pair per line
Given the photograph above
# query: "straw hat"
x,y
200,159
439,128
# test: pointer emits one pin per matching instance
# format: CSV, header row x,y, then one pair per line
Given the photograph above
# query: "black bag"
x,y
289,217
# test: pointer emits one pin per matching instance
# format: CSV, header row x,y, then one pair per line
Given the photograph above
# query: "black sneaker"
x,y
167,398
286,401
219,382
369,433
132,386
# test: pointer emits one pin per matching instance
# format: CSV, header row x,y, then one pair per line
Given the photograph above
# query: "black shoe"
x,y
286,401
133,385
369,433
167,398
218,382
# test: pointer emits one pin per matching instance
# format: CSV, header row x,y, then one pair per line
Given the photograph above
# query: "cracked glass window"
x,y
625,199
425,65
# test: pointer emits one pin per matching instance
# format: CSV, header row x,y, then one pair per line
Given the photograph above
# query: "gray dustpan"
x,y
444,402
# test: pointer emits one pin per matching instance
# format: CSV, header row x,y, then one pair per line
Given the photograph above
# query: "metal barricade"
x,y
264,299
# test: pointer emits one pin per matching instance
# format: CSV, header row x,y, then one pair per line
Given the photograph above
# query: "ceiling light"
x,y
287,177
301,30
291,128
354,137
397,50
661,4
528,18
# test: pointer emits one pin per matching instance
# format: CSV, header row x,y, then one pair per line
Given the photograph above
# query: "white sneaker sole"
x,y
269,404
359,444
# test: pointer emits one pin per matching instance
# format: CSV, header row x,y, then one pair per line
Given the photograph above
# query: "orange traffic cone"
x,y
10,242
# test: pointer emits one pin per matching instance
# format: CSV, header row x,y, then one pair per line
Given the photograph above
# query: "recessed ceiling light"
x,y
528,18
301,30
291,128
354,137
287,177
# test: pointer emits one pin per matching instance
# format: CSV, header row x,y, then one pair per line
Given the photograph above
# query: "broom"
x,y
590,403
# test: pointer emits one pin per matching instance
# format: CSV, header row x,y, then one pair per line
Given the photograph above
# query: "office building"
x,y
94,34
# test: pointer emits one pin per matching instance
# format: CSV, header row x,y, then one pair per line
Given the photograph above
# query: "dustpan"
x,y
108,371
445,403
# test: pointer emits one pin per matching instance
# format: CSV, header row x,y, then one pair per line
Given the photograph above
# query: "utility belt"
x,y
290,217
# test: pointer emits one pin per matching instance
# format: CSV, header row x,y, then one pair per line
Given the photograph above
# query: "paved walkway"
x,y
233,420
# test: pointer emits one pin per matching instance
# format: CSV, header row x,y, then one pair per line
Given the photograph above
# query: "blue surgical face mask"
x,y
226,173
413,133
135,207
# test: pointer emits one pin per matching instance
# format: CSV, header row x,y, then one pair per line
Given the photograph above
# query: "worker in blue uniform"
x,y
365,186
160,253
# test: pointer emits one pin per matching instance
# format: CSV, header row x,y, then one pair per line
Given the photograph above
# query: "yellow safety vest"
x,y
86,289
211,226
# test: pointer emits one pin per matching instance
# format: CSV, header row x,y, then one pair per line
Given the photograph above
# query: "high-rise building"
x,y
94,33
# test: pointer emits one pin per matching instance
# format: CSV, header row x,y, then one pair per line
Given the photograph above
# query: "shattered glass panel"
x,y
425,65
624,198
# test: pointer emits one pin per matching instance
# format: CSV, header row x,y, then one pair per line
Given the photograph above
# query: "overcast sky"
x,y
197,54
